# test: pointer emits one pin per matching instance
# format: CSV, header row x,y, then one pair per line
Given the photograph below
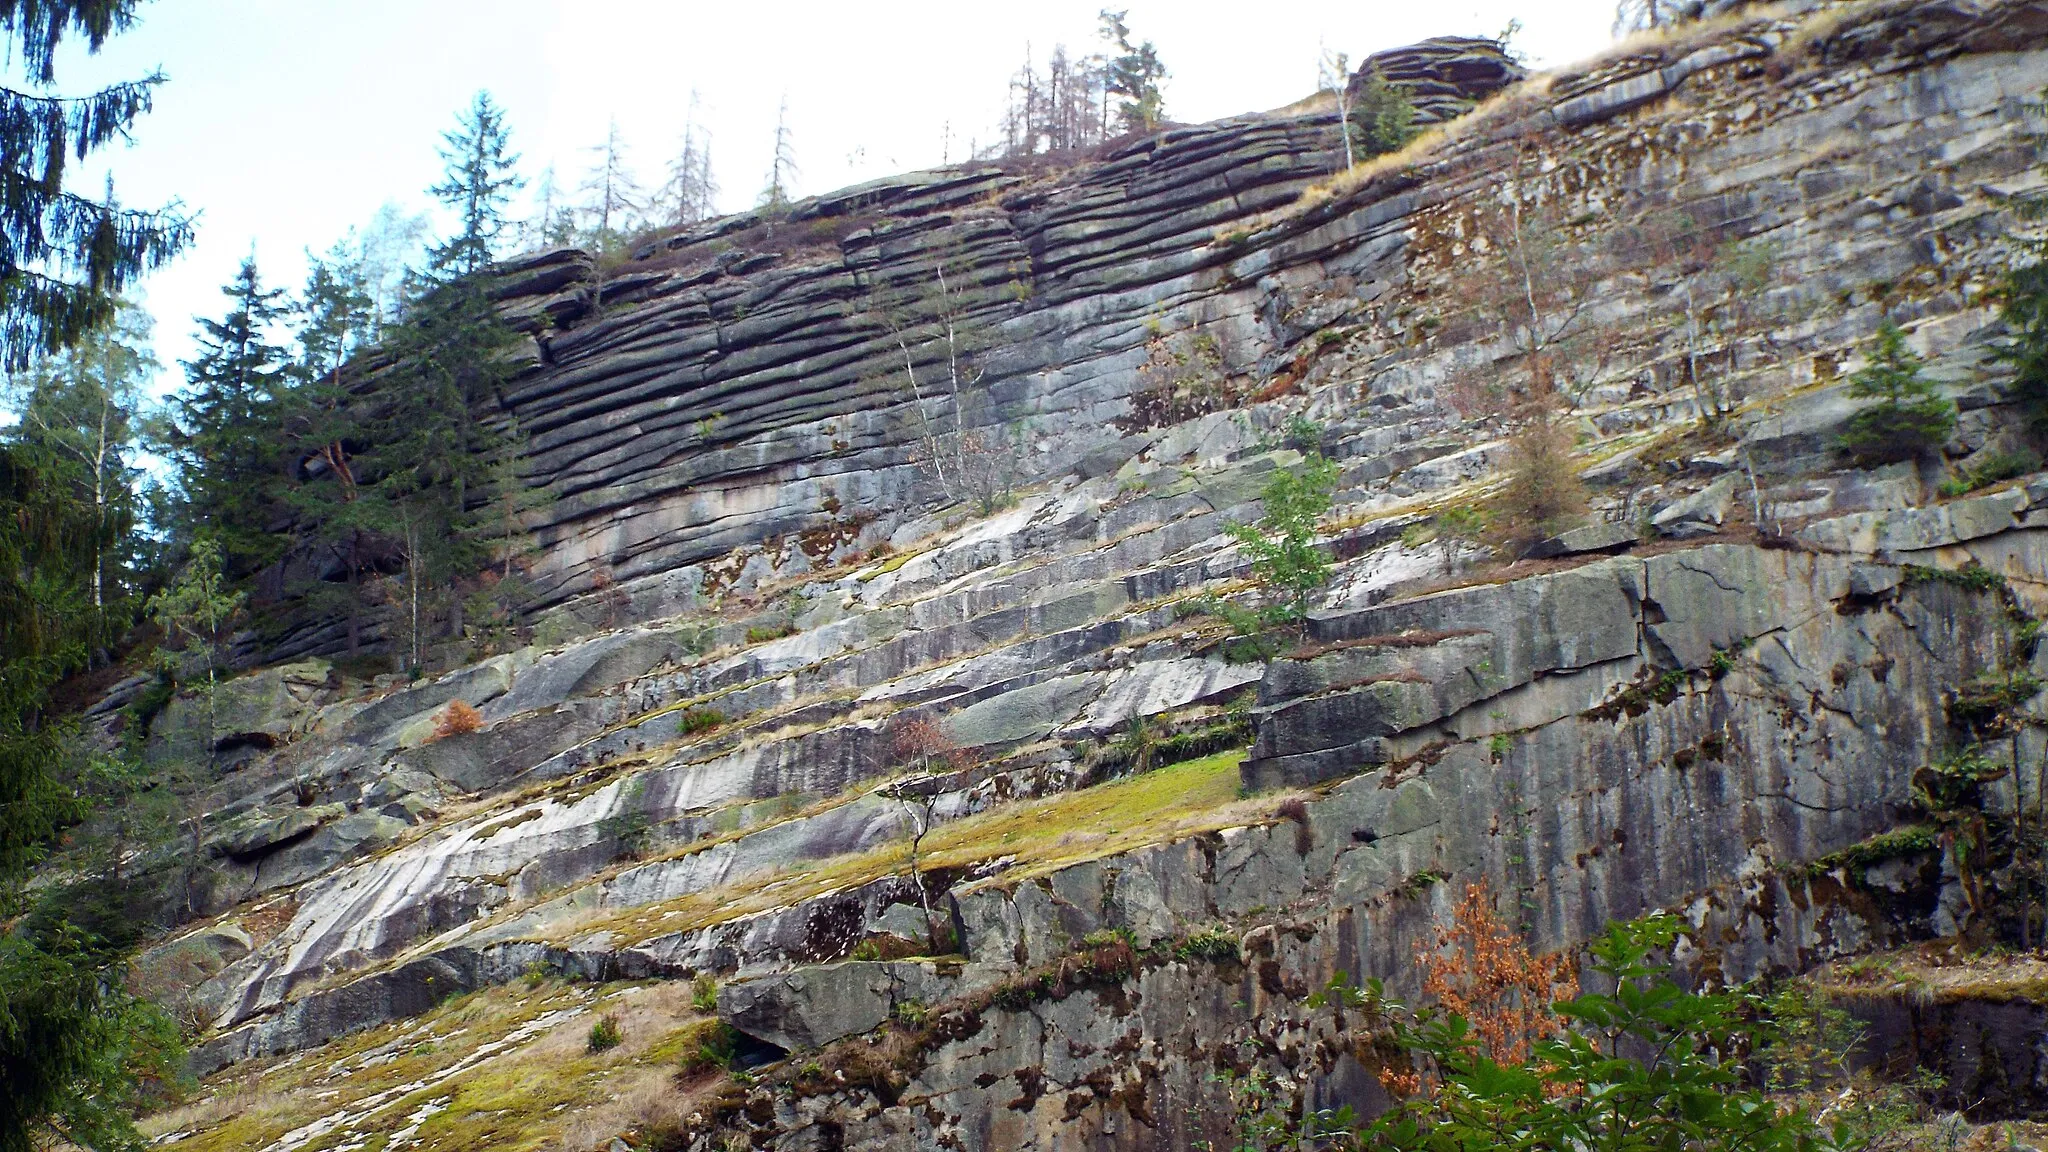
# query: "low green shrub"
x,y
697,720
605,1033
1209,944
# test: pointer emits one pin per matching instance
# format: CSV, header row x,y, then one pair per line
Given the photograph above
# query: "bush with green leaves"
x,y
1910,418
1287,565
1648,1065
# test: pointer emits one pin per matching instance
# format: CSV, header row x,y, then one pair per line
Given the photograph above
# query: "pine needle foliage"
x,y
2023,291
64,257
1910,418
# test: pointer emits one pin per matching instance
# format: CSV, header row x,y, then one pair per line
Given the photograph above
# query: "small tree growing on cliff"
x,y
1543,494
2023,290
1533,273
939,338
1134,73
1286,563
921,747
1381,117
1910,417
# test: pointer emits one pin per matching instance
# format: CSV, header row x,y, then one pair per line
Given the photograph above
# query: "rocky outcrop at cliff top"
x,y
1443,77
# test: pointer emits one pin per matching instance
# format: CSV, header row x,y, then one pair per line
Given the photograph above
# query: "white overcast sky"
x,y
285,122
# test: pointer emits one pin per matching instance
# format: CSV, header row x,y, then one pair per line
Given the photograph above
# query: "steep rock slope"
x,y
1714,724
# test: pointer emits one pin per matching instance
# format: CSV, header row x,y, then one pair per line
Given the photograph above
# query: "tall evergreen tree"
x,y
1134,73
322,423
227,435
478,183
425,475
69,1035
1910,418
63,256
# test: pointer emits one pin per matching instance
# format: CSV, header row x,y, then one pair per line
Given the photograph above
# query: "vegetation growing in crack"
x,y
1288,567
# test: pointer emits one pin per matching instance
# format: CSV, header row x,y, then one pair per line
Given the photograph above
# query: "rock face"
x,y
737,409
1444,76
1712,697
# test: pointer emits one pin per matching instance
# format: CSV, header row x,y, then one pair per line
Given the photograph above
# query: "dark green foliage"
x,y
1161,750
697,720
1973,577
64,258
1907,841
2024,308
75,1050
71,1043
1382,119
2023,291
1215,944
426,473
1643,1066
717,1051
1910,418
479,179
1133,74
228,442
605,1033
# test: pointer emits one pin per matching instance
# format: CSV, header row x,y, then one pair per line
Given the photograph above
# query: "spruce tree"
x,y
65,257
71,1039
2023,290
227,439
322,425
425,474
478,183
1910,417
1133,73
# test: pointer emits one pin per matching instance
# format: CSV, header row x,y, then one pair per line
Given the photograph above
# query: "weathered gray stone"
x,y
817,1005
1601,536
1868,580
1029,713
1700,514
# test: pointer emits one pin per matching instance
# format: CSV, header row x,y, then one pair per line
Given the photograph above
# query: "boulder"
x,y
1029,713
1700,514
814,1006
262,833
1444,76
1606,535
265,708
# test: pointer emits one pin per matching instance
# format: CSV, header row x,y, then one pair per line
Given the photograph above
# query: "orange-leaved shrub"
x,y
457,718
